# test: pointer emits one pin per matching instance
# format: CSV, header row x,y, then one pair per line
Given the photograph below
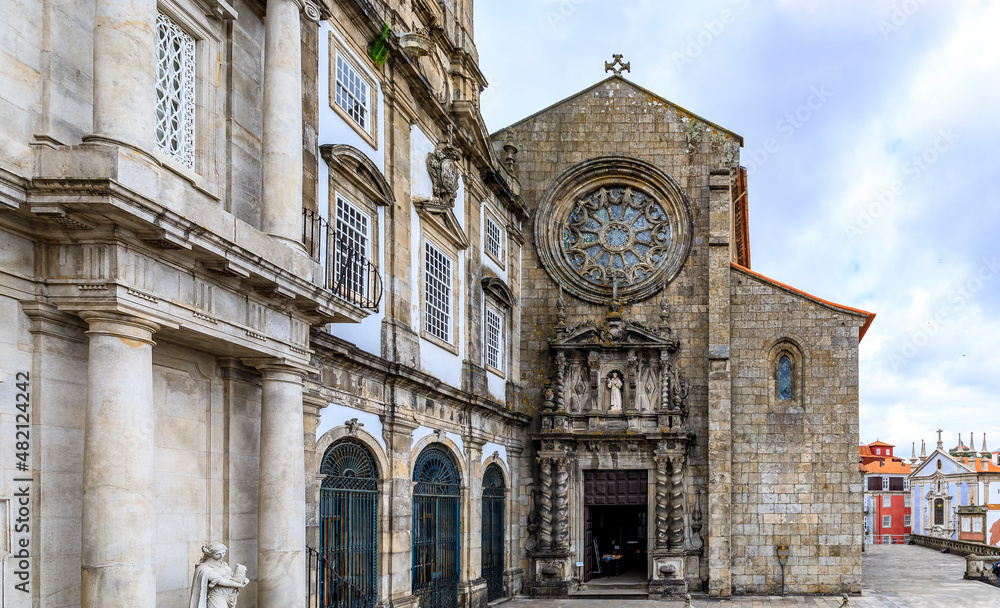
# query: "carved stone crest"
x,y
443,167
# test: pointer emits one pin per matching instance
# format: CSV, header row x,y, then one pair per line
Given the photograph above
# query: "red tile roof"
x,y
888,467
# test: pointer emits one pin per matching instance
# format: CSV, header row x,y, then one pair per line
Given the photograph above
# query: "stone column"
x,y
662,502
397,432
545,504
281,213
119,521
675,526
561,519
281,492
125,72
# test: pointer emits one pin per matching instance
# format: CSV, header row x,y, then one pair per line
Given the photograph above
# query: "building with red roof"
x,y
886,496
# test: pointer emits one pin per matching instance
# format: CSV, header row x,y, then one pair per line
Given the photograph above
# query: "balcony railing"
x,y
347,272
326,588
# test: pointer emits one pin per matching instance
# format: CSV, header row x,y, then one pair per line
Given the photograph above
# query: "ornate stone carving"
x,y
617,65
562,504
675,526
696,540
613,225
443,166
662,505
615,392
216,584
353,426
545,504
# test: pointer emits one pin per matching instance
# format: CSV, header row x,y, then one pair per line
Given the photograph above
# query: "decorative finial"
x,y
621,65
923,450
984,450
940,444
913,453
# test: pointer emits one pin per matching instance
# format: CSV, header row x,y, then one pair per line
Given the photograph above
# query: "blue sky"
x,y
870,133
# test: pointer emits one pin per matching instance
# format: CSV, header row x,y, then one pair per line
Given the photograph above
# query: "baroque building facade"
x,y
267,280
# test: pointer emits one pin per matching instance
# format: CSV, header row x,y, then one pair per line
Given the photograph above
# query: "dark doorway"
x,y
615,523
436,528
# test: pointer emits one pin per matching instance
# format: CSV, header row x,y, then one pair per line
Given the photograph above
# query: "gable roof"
x,y
917,471
886,467
880,444
680,110
820,301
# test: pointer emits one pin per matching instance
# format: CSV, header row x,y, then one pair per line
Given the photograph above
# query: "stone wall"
x,y
794,462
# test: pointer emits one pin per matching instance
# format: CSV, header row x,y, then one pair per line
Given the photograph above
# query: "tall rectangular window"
x,y
977,525
175,106
886,501
353,93
885,483
906,501
494,239
351,249
494,339
906,520
887,521
437,281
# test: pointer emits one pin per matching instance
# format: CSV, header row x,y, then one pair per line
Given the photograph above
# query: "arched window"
x,y
784,377
493,517
348,526
436,529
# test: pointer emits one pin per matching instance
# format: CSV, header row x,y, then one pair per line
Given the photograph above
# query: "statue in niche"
x,y
215,584
615,384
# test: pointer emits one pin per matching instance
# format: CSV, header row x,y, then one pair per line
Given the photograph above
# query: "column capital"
x,y
280,368
123,326
313,10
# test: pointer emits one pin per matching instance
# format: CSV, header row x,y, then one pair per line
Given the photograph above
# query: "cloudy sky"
x,y
871,134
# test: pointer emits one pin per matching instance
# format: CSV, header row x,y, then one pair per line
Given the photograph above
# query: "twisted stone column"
x,y
662,502
545,504
562,504
675,529
119,522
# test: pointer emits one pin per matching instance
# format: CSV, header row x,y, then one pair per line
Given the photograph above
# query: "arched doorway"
x,y
436,528
348,526
493,511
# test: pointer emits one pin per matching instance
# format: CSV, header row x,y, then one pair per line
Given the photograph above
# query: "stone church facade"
x,y
267,280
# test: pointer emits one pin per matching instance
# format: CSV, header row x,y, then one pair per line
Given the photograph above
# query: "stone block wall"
x,y
794,462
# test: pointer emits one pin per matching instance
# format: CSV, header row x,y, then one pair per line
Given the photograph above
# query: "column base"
x,y
668,573
473,594
553,574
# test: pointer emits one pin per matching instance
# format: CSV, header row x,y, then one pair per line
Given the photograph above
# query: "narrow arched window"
x,y
785,377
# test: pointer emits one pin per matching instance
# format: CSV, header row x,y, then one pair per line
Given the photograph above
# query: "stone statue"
x,y
215,584
615,384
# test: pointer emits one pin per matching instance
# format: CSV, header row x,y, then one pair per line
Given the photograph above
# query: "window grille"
x,y
352,245
175,104
494,339
493,238
353,93
437,268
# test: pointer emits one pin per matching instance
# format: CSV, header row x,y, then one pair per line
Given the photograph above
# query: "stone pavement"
x,y
895,576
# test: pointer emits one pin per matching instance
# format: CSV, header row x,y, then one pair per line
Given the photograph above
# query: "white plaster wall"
x,y
333,129
335,415
496,385
420,180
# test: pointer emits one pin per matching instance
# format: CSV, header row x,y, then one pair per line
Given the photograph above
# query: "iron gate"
x,y
348,511
436,529
493,497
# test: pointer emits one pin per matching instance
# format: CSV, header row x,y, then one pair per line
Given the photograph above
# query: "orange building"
x,y
886,497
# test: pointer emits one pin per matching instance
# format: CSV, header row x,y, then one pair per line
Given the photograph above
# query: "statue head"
x,y
213,551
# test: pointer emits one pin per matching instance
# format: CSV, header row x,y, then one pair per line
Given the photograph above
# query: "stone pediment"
x,y
612,333
444,220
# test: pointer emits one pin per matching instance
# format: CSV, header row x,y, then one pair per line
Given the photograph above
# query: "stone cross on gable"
x,y
621,65
940,444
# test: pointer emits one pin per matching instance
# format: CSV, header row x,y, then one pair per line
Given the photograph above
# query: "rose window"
x,y
616,236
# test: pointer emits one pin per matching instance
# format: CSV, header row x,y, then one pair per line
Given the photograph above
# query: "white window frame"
x,y
488,242
887,501
966,524
494,340
177,143
906,520
445,308
977,524
885,483
906,483
341,57
352,222
886,521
